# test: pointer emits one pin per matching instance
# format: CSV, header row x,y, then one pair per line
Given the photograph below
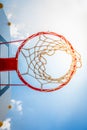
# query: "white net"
x,y
34,54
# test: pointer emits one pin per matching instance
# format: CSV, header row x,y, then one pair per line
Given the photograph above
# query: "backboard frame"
x,y
3,89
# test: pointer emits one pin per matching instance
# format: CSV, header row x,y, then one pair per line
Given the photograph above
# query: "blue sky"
x,y
65,109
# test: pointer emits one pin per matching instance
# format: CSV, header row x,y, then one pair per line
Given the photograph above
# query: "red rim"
x,y
72,72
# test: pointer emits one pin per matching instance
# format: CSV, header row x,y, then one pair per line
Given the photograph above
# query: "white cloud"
x,y
17,31
17,105
9,15
14,31
6,124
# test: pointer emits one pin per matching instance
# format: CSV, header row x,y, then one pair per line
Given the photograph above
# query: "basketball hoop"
x,y
33,50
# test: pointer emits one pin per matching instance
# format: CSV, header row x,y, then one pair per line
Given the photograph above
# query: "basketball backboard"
x,y
4,76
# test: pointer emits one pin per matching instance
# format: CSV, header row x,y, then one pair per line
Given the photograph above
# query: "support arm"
x,y
8,64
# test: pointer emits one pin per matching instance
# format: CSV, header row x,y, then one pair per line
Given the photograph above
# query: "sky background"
x,y
65,109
